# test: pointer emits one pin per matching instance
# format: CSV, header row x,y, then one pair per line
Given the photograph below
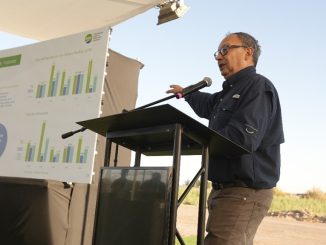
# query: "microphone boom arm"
x,y
178,96
71,133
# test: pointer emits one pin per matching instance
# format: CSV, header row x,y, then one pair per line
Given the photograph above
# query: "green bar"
x,y
80,141
27,151
38,91
89,73
62,82
51,80
10,61
64,155
74,85
41,142
51,155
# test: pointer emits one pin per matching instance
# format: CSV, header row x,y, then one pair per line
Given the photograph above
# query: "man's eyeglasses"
x,y
224,50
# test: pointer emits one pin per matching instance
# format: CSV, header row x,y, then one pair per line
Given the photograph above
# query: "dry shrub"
x,y
278,192
316,193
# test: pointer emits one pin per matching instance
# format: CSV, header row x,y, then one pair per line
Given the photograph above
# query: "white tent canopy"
x,y
42,20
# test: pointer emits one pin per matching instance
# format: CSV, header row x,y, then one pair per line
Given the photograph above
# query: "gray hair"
x,y
249,41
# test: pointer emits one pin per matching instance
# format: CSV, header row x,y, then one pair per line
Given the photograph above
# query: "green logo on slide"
x,y
88,38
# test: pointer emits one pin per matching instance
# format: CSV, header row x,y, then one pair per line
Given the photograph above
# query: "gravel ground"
x,y
272,231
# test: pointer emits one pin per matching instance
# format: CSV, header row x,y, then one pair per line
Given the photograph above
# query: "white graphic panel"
x,y
44,89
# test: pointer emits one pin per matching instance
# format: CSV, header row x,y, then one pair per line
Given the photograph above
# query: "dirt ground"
x,y
272,231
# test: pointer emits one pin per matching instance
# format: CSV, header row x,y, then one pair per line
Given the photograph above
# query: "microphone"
x,y
206,82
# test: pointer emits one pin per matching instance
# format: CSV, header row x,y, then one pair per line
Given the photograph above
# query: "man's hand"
x,y
175,89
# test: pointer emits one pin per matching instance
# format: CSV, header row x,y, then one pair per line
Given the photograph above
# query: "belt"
x,y
219,186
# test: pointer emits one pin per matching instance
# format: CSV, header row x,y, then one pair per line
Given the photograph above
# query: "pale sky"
x,y
291,34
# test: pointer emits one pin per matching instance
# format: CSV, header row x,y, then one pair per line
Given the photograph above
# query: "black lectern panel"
x,y
133,206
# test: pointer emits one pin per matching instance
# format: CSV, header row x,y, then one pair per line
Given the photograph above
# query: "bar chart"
x,y
44,152
80,157
61,83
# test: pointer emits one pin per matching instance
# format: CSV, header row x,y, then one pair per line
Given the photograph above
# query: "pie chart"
x,y
3,139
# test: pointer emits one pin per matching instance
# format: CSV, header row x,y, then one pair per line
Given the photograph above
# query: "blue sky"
x,y
291,34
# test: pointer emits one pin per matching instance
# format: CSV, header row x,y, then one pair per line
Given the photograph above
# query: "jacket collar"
x,y
238,76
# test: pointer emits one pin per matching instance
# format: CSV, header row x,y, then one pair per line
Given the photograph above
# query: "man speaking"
x,y
248,112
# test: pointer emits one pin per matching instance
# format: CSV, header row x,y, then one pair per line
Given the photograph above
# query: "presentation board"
x,y
44,89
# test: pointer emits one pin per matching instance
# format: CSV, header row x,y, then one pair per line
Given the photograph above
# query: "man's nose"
x,y
219,57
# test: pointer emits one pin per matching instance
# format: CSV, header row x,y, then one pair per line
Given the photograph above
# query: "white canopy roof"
x,y
45,19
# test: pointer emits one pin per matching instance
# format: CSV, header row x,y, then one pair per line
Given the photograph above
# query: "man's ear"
x,y
249,53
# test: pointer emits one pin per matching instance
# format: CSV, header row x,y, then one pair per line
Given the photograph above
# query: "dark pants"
x,y
235,214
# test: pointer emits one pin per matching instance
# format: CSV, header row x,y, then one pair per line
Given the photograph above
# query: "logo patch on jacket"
x,y
236,96
250,129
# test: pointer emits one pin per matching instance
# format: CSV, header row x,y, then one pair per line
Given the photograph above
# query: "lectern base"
x,y
133,206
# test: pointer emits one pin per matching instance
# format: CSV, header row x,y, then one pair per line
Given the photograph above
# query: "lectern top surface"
x,y
159,116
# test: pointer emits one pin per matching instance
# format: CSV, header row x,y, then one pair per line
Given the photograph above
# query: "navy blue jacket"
x,y
248,112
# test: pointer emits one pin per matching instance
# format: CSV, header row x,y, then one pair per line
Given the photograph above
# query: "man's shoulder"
x,y
262,82
261,78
